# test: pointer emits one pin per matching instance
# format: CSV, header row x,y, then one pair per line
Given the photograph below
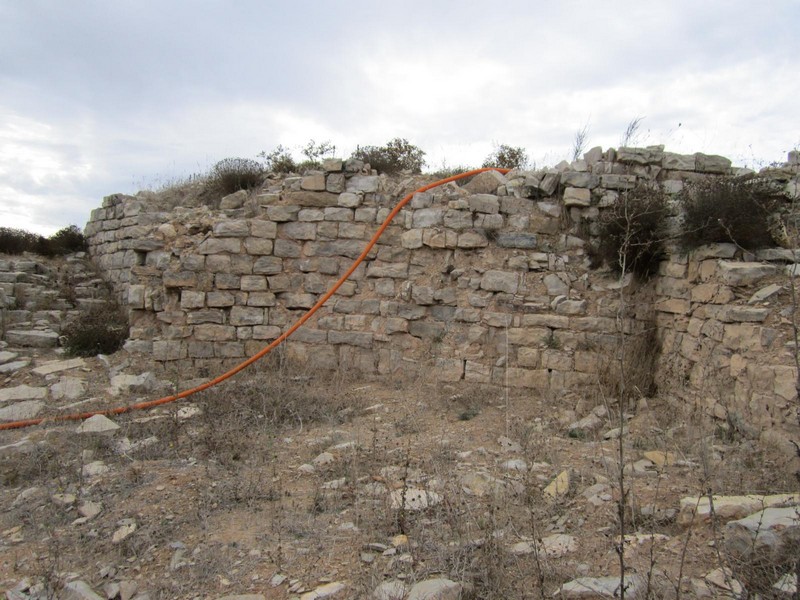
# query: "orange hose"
x,y
274,344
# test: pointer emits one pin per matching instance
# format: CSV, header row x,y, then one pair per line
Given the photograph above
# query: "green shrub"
x,y
507,157
397,155
279,161
632,231
16,241
67,240
98,330
729,209
233,174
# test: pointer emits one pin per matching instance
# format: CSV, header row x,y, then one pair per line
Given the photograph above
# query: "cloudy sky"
x,y
105,96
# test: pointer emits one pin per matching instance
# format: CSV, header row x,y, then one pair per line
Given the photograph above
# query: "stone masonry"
x,y
487,282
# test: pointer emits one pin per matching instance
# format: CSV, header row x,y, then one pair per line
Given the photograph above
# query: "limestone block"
x,y
449,369
228,245
314,182
332,165
136,296
618,182
200,349
169,350
258,246
262,299
427,217
361,339
673,305
679,162
457,219
356,231
246,315
550,182
32,338
287,248
744,273
484,203
580,179
721,250
268,265
548,320
228,349
709,163
411,239
363,183
472,239
426,330
526,378
500,281
282,213
263,229
516,240
577,197
232,228
224,281
192,299
346,248
391,270
571,307
485,183
741,337
477,372
195,317
214,333
752,314
266,332
253,283
307,198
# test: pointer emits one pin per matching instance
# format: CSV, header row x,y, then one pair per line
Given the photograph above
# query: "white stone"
x,y
328,590
413,499
59,365
21,411
97,424
435,589
22,392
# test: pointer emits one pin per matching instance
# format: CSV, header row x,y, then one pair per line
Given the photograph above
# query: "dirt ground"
x,y
283,480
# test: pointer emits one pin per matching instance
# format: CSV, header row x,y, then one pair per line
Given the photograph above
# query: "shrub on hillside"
x,y
507,157
233,174
279,161
66,240
98,330
397,155
16,241
729,209
632,231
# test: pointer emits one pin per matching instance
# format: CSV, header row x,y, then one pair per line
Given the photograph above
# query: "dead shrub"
x,y
729,209
632,231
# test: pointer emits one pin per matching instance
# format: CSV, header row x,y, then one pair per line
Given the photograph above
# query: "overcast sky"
x,y
106,96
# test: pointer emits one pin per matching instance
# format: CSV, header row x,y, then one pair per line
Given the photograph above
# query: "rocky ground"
x,y
286,484
289,483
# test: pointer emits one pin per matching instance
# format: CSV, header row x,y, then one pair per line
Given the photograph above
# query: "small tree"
x,y
507,157
397,155
279,160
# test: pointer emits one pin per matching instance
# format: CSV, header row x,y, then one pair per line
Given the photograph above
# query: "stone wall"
x,y
485,282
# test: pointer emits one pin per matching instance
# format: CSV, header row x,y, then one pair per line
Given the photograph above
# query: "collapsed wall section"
x,y
486,282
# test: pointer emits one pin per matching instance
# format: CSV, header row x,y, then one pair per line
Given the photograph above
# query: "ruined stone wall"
x,y
485,282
